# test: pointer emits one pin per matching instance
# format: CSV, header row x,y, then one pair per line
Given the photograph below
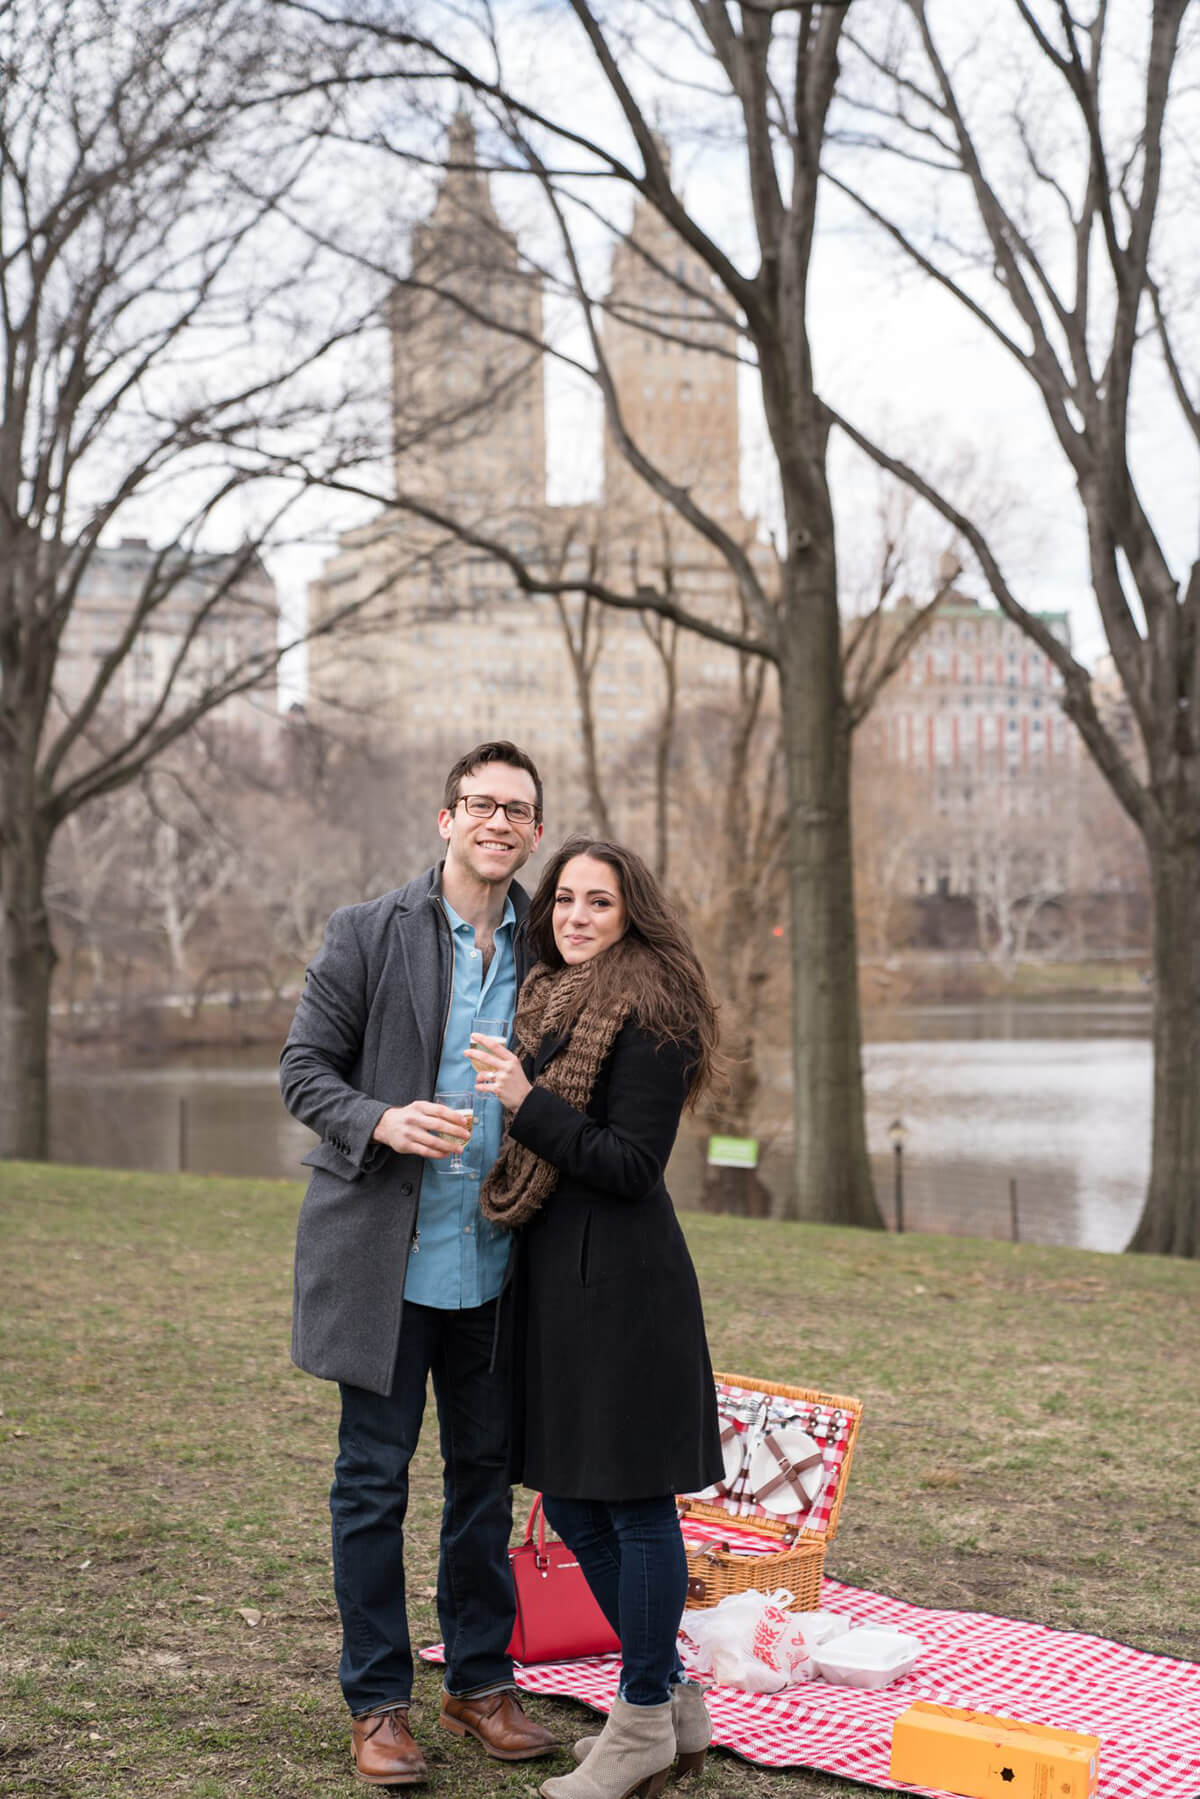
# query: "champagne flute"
x,y
464,1104
485,1027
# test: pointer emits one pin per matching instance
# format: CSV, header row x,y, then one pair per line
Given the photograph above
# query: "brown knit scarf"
x,y
553,1000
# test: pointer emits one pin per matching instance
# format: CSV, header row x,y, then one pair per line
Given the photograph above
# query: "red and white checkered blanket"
x,y
1144,1708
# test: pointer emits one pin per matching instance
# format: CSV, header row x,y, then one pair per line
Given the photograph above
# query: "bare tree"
x,y
761,79
729,779
94,846
582,621
719,830
167,360
1061,220
189,861
1017,872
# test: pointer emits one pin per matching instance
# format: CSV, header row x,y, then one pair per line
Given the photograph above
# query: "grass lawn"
x,y
1031,1445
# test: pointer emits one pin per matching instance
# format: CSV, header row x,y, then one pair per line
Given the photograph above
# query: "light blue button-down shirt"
x,y
459,1259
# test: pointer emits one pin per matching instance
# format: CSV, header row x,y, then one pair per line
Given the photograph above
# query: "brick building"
x,y
970,731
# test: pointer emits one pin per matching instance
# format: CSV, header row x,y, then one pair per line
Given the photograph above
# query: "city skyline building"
x,y
468,382
444,645
206,616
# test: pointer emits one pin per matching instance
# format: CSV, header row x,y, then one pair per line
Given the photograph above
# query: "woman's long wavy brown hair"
x,y
671,995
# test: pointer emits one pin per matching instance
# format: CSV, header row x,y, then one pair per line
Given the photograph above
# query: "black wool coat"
x,y
614,1387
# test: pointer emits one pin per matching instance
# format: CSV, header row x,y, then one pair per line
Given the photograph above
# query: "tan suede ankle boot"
x,y
693,1731
632,1755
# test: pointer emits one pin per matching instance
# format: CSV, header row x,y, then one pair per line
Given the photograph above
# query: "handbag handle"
x,y
536,1512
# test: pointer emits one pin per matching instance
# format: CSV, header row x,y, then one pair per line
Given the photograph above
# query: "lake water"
x,y
1055,1098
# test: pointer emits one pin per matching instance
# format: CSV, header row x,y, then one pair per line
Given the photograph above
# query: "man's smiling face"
x,y
491,849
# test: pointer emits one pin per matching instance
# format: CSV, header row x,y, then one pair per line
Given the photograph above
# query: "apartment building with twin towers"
x,y
447,647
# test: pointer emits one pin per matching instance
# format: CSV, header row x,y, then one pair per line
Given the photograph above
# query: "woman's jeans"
x,y
632,1554
370,1495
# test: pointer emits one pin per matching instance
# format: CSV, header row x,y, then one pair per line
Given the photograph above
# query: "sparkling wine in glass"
x,y
485,1027
464,1105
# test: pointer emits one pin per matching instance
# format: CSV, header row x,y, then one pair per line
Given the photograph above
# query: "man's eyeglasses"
x,y
482,805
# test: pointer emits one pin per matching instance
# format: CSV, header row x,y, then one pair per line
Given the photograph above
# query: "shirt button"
x,y
467,1229
474,953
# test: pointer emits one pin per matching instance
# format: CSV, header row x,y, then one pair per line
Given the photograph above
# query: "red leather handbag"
x,y
558,1620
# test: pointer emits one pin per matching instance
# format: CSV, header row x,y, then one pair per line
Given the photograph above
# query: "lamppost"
x,y
897,1133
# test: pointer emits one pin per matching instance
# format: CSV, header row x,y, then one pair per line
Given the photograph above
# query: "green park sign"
x,y
733,1152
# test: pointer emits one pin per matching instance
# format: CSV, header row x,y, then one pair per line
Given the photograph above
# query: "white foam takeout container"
x,y
871,1657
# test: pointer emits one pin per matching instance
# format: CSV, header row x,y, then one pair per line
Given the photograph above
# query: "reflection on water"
x,y
1069,1122
224,1118
1008,1020
1053,1097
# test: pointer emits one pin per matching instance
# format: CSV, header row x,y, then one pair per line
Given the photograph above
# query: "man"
x,y
397,1273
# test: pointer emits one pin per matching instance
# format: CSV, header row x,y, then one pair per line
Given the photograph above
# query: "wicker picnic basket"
x,y
760,1420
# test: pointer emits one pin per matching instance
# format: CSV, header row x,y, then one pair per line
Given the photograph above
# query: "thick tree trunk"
x,y
735,1192
28,963
1170,1222
831,1173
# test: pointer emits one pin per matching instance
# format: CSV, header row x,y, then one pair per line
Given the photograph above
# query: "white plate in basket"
x,y
796,1445
734,1451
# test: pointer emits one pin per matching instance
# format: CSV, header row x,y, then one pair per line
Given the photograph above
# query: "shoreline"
x,y
160,1027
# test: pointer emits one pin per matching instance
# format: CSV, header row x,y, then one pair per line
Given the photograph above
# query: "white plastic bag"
x,y
750,1640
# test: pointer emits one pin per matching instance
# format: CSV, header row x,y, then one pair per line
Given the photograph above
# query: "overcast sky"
x,y
892,352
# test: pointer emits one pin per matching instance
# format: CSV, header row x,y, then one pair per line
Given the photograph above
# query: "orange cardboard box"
x,y
983,1757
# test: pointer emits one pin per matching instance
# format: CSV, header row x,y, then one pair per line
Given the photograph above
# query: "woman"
x,y
616,1411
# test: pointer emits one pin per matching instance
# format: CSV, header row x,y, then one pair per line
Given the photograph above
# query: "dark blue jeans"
x,y
632,1554
370,1496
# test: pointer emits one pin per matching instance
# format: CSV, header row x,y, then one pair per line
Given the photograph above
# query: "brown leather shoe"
x,y
384,1750
497,1721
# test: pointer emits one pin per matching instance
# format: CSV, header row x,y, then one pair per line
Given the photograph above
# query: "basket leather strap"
x,y
724,1488
789,1473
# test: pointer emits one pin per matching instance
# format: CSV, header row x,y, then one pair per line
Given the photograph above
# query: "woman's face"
x,y
589,913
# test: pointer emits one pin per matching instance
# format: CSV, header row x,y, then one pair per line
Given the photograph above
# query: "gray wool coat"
x,y
367,1035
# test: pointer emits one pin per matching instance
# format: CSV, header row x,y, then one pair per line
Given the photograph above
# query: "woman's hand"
x,y
497,1071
